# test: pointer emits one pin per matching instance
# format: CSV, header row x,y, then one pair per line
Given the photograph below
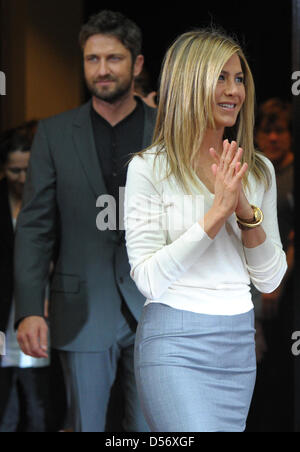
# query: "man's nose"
x,y
102,68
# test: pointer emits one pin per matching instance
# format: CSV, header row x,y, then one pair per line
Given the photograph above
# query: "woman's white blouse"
x,y
174,262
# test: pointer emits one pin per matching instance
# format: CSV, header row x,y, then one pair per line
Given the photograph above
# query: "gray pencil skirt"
x,y
195,372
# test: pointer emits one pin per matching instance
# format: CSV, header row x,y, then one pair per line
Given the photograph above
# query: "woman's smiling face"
x,y
230,93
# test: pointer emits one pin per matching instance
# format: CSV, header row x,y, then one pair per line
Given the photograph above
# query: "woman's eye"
x,y
238,79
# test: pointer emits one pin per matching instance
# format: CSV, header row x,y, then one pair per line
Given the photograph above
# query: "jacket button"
x,y
121,280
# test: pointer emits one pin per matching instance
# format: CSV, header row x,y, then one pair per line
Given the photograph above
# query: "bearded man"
x,y
77,157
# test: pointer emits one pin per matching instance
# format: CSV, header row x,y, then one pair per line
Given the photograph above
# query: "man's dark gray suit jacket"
x,y
58,224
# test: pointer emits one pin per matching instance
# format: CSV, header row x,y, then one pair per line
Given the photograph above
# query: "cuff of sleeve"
x,y
260,255
196,233
189,247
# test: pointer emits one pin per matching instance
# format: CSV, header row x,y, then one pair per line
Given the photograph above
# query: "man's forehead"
x,y
104,43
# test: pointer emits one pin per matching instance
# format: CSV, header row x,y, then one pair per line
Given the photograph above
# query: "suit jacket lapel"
x,y
85,147
150,116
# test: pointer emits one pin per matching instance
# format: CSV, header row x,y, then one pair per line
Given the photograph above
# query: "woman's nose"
x,y
231,88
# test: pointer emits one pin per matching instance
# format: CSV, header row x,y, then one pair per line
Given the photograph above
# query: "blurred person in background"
x,y
24,381
273,398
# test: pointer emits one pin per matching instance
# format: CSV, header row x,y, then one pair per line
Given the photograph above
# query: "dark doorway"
x,y
265,34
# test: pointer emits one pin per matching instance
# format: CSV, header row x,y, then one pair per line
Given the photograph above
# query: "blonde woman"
x,y
201,224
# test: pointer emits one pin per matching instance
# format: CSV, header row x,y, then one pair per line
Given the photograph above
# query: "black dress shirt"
x,y
115,144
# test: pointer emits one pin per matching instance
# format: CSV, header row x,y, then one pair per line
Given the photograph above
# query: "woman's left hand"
x,y
243,209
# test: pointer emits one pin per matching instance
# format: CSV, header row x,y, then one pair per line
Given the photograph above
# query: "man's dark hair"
x,y
115,24
273,110
11,141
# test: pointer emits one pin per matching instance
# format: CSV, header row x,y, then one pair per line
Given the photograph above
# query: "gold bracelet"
x,y
257,221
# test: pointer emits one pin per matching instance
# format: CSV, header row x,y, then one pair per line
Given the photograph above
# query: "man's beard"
x,y
109,95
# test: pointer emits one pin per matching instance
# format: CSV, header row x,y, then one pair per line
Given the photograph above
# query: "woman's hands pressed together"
x,y
230,198
229,172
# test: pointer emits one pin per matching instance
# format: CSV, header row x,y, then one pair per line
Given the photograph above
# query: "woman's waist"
x,y
223,299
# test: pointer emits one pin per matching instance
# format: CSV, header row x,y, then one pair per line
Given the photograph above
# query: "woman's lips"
x,y
227,106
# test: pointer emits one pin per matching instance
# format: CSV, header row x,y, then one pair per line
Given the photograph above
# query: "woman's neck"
x,y
212,139
204,160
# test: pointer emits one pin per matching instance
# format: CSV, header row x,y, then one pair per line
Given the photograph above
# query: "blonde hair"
x,y
189,77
